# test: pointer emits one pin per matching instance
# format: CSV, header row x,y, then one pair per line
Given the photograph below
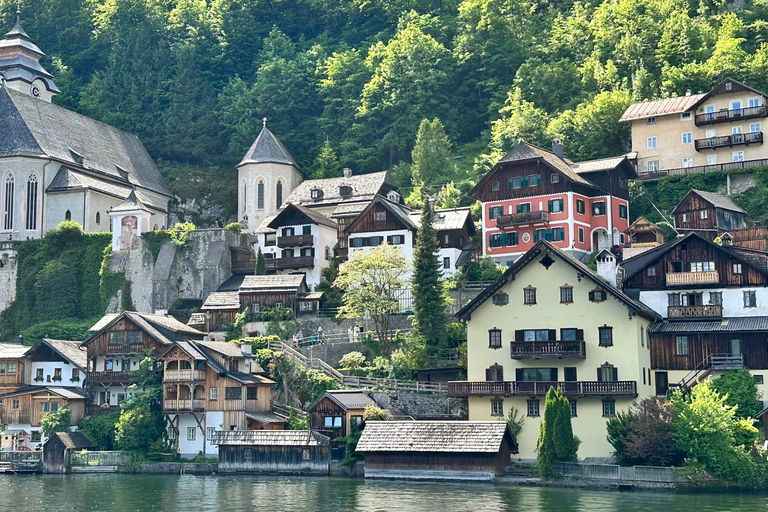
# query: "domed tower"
x,y
266,177
20,67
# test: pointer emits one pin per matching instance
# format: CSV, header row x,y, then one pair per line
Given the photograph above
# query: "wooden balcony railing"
x,y
548,350
689,278
519,219
737,139
290,263
183,405
677,171
295,241
626,388
689,312
111,376
183,375
727,116
122,348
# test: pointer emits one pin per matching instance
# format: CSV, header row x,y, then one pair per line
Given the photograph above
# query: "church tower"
x,y
20,67
266,177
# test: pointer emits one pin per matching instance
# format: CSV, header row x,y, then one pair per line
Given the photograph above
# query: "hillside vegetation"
x,y
347,83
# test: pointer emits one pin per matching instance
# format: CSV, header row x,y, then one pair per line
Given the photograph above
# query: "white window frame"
x,y
191,433
712,159
653,166
703,214
687,138
737,130
711,133
737,156
753,102
214,394
709,109
652,143
209,432
734,104
688,161
752,127
685,116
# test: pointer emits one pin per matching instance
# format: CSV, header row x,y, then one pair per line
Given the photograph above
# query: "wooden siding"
x,y
367,222
275,459
12,382
457,238
55,456
693,250
516,170
716,219
101,346
431,461
29,408
754,347
327,407
247,299
608,181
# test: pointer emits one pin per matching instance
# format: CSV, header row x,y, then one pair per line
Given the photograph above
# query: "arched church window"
x,y
98,217
260,195
8,204
68,215
243,196
279,194
32,198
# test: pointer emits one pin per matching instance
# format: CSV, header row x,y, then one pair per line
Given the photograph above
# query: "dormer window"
x,y
316,194
345,191
77,157
122,172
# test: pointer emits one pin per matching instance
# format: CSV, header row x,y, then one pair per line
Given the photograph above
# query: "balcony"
x,y
183,375
290,263
184,405
122,348
727,116
692,278
694,312
577,389
295,241
520,219
737,139
548,350
111,376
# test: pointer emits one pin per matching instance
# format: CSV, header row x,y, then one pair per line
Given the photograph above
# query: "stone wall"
x,y
7,277
422,406
332,353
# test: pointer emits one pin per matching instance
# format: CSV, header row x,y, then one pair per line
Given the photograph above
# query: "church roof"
x,y
40,128
268,149
131,203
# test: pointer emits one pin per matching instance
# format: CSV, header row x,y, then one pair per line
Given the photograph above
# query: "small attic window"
x,y
728,86
77,157
345,191
122,172
316,194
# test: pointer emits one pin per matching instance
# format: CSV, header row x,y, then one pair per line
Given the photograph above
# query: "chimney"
x,y
557,147
688,92
21,339
606,266
347,172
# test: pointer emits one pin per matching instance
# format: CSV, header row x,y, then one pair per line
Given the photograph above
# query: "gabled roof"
x,y
312,216
42,129
739,87
286,282
149,323
738,324
641,221
364,187
447,219
12,350
662,107
68,350
129,204
269,438
72,440
401,212
434,436
222,300
267,149
225,348
717,200
544,247
346,399
68,393
602,164
203,351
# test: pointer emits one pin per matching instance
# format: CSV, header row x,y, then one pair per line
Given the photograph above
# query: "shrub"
x,y
352,360
56,422
643,435
180,233
100,430
235,227
740,392
374,413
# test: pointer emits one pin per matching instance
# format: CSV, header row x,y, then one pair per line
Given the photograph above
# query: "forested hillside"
x,y
347,82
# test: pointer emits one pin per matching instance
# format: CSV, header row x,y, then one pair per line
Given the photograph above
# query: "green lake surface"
x,y
84,493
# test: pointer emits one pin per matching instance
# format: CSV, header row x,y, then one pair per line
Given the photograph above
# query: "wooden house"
x,y
118,343
12,366
303,452
56,363
25,408
57,451
334,413
210,386
641,236
708,214
447,450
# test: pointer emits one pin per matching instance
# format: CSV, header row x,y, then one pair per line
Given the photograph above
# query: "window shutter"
x,y
615,374
519,335
591,296
553,374
599,375
499,374
549,205
552,334
488,374
580,334
518,374
389,240
503,240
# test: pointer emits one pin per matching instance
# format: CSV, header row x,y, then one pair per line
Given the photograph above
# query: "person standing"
x,y
351,335
320,334
357,333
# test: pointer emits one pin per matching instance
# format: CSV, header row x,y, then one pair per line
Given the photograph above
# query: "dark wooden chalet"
x,y
285,291
644,232
708,214
449,450
12,366
220,309
454,227
289,451
334,413
57,451
383,215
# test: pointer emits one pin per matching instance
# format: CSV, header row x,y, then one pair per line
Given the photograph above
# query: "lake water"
x,y
84,493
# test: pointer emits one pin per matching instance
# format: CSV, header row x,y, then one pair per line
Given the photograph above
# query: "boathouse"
x,y
273,451
334,412
436,450
57,451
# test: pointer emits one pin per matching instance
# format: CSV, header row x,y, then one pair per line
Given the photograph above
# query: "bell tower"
x,y
20,67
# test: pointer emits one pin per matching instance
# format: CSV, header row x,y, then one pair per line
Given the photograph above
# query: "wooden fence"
x,y
655,474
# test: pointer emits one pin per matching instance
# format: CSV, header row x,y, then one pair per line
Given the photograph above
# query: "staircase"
x,y
358,382
710,364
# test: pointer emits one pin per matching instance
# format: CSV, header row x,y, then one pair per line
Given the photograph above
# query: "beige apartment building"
x,y
721,126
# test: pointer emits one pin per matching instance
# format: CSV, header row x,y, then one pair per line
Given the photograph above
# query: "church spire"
x,y
17,32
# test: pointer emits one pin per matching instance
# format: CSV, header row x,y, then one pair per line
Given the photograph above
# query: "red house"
x,y
533,194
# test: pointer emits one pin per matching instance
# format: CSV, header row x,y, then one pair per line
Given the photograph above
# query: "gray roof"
x,y
738,324
68,393
190,349
717,200
18,64
433,436
446,219
526,151
407,217
148,322
601,164
196,319
364,187
346,399
42,129
267,149
265,417
315,217
222,300
225,348
166,321
70,350
72,440
349,209
269,438
276,282
12,350
129,204
103,322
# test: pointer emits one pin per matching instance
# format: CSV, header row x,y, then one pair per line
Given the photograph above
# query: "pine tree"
x,y
261,264
432,157
556,440
429,305
326,163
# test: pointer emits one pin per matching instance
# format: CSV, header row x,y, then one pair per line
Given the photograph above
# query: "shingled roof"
x,y
72,440
41,129
433,436
150,323
286,282
364,187
222,300
717,200
312,216
346,399
267,149
662,107
269,438
69,350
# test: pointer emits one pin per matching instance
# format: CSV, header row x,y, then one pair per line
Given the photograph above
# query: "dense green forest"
x,y
346,83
